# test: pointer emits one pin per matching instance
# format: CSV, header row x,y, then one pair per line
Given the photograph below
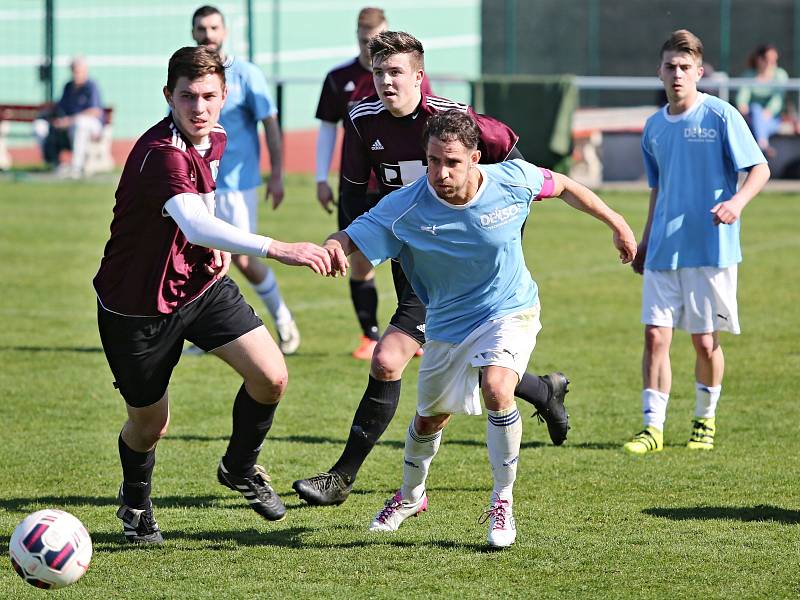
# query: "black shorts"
x,y
143,351
410,314
349,211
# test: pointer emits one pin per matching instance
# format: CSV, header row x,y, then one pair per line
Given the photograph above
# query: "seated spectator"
x,y
761,104
73,121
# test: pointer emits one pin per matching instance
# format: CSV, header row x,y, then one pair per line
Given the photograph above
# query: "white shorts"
x,y
697,299
238,208
448,373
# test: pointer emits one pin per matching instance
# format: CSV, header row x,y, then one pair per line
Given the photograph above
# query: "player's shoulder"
x,y
243,68
343,69
514,171
440,104
717,106
367,108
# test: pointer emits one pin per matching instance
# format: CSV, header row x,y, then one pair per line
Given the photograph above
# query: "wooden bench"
x,y
99,157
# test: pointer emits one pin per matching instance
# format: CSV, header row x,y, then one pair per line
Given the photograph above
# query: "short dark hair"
x,y
389,43
205,11
452,125
684,41
370,17
193,62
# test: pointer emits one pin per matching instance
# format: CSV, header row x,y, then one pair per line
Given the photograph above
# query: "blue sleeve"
x,y
740,143
372,232
258,98
94,97
518,170
650,164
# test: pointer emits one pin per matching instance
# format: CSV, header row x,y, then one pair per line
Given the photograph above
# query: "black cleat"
x,y
256,490
139,525
323,489
555,415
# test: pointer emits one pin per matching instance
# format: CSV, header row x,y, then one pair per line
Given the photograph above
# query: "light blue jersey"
x,y
694,159
248,103
464,262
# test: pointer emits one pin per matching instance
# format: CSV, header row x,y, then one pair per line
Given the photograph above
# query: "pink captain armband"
x,y
548,185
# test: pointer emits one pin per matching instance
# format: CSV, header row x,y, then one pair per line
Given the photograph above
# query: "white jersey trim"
x,y
366,108
405,212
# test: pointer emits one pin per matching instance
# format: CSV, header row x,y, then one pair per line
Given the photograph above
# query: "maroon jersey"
x,y
391,147
148,267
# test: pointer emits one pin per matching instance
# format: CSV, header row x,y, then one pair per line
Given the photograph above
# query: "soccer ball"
x,y
50,549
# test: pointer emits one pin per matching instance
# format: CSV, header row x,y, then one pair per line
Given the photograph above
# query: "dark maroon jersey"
x,y
148,267
391,147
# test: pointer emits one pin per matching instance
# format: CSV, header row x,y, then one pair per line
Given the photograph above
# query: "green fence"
x,y
127,44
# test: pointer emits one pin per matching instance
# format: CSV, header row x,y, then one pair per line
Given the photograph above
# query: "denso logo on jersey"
x,y
500,216
700,134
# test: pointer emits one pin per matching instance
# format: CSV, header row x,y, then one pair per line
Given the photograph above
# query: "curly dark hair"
x,y
452,125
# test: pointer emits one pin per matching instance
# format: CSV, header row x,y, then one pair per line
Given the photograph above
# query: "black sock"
x,y
365,302
378,405
137,472
251,422
532,388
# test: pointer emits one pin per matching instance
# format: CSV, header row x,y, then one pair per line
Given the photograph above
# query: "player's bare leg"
x,y
709,369
260,363
656,383
374,413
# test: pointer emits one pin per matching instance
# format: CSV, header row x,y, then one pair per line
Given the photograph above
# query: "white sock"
x,y
706,399
419,452
654,406
269,293
503,439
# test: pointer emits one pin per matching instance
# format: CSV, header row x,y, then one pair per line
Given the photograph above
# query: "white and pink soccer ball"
x,y
50,549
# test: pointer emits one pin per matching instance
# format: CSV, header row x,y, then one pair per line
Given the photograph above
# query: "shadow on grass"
x,y
25,505
79,349
111,542
316,439
760,513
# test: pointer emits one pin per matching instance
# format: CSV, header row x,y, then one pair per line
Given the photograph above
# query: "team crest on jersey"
x,y
214,164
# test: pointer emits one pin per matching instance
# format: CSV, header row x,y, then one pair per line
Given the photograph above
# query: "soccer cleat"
x,y
649,439
257,491
138,525
502,527
192,350
396,510
554,414
323,489
366,347
288,337
702,437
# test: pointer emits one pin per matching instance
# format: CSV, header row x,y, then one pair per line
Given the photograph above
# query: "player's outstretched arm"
x,y
326,142
301,254
582,198
729,211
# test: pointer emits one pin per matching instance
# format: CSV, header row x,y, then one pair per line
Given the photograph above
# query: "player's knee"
x,y
655,340
704,346
430,425
268,386
387,365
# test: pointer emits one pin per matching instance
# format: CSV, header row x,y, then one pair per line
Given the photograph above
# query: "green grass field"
x,y
593,522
